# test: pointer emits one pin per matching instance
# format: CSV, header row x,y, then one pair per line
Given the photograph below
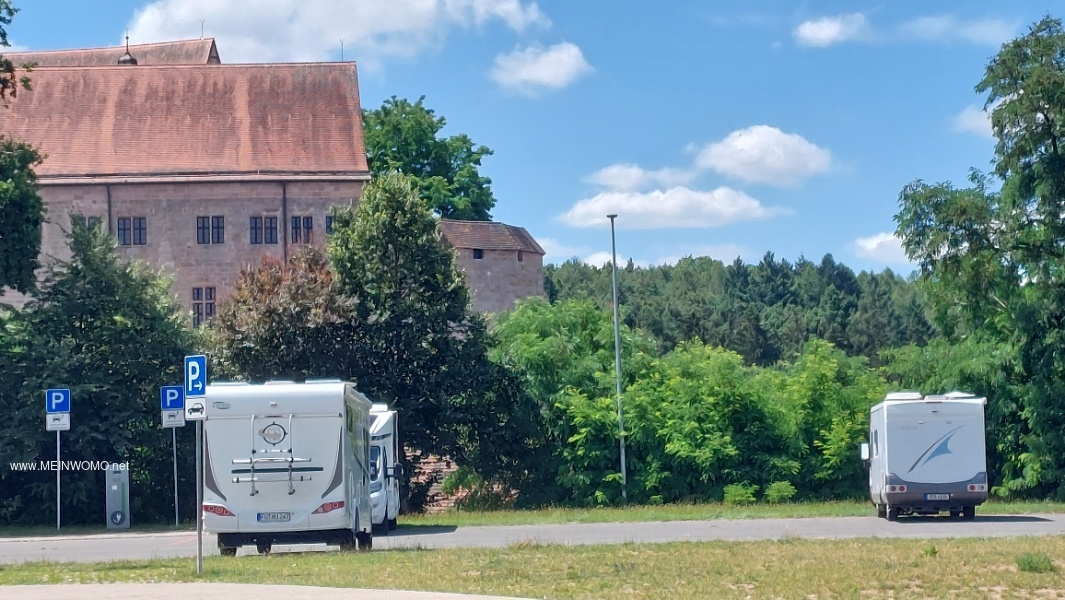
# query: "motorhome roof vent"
x,y
959,394
280,382
903,396
325,380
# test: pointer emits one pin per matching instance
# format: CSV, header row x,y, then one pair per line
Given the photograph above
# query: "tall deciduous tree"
x,y
21,214
994,261
21,210
111,332
403,137
287,321
424,350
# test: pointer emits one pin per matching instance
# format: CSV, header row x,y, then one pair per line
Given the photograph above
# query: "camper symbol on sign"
x,y
273,434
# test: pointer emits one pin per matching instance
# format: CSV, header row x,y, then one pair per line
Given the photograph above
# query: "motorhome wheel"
x,y
892,513
391,524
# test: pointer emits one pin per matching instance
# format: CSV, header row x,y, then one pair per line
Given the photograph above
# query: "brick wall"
x,y
170,211
498,279
495,281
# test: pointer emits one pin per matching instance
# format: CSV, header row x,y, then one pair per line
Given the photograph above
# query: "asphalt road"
x,y
121,546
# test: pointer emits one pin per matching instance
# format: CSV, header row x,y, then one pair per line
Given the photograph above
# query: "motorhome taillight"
x,y
217,509
897,488
328,507
902,488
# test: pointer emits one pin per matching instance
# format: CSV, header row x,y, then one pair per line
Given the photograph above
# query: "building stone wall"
x,y
170,211
499,279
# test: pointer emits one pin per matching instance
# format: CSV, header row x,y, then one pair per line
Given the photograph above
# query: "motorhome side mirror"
x,y
865,450
396,471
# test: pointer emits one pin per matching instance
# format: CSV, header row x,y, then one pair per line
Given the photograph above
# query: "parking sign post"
x,y
57,418
195,401
172,403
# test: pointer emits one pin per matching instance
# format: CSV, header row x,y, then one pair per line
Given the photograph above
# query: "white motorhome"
x,y
384,467
926,454
287,463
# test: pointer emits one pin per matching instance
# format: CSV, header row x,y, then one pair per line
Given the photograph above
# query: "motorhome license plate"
x,y
274,517
937,496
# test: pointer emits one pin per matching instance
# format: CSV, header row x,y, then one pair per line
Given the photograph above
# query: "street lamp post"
x,y
617,356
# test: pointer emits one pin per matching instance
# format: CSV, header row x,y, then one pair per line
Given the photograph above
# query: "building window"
x,y
302,230
90,222
131,230
329,224
478,254
256,236
203,230
125,228
270,227
521,256
210,230
140,231
202,305
218,230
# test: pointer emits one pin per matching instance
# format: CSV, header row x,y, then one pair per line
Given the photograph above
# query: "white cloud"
x,y
630,177
946,27
831,30
678,207
883,247
534,68
557,252
600,259
974,120
765,154
298,30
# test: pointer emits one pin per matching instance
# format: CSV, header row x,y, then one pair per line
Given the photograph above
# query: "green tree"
x,y
423,351
21,209
21,214
563,355
403,137
287,322
111,332
9,81
992,260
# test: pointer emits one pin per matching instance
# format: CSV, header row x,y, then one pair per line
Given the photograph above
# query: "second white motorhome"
x,y
926,454
384,467
287,463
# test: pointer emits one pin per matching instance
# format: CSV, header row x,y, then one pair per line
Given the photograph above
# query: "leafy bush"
x,y
779,491
1037,562
740,493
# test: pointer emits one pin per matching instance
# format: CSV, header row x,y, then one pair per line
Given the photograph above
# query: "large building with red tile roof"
x,y
202,168
182,52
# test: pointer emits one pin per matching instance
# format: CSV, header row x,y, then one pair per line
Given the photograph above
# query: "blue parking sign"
x,y
57,401
195,376
172,397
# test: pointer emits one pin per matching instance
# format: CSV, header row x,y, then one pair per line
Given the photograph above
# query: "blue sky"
x,y
721,129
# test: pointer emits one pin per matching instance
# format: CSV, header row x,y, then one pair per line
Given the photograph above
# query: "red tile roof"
x,y
487,235
184,52
192,120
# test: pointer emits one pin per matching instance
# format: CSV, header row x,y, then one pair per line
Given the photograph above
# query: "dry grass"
x,y
792,568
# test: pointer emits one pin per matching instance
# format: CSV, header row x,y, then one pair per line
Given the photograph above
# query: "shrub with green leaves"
x,y
740,493
779,491
1035,562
